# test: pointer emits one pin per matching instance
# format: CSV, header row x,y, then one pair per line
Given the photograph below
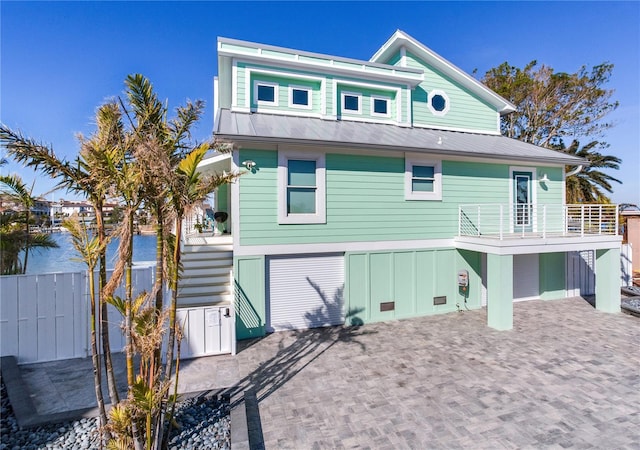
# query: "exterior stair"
x,y
206,277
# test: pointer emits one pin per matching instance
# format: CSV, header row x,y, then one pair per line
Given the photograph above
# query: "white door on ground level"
x,y
526,277
305,292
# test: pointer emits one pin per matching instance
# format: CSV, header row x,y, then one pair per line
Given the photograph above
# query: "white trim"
x,y
368,119
334,247
446,128
283,112
344,94
234,84
216,101
234,209
276,93
309,92
320,215
387,100
334,94
447,102
412,159
403,56
540,245
323,97
534,193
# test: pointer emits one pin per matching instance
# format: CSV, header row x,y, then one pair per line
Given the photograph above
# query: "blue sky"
x,y
60,60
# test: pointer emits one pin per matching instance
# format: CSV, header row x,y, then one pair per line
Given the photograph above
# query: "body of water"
x,y
62,259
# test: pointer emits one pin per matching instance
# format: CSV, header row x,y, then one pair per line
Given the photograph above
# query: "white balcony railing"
x,y
534,220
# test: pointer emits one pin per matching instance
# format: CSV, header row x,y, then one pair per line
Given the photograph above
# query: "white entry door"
x,y
305,292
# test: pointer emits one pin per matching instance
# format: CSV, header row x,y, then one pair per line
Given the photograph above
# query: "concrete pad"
x,y
566,375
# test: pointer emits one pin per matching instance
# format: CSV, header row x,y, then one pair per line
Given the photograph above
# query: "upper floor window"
x,y
438,102
299,97
301,188
380,106
423,179
352,102
266,93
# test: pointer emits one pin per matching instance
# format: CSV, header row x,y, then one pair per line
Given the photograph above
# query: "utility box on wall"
x,y
207,330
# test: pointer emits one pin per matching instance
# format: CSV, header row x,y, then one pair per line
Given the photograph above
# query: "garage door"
x,y
526,277
305,292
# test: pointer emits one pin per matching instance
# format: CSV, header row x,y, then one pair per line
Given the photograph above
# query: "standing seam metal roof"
x,y
240,126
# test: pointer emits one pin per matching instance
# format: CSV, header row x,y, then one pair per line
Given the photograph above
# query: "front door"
x,y
522,201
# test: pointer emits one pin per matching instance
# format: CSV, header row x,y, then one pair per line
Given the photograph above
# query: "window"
x,y
380,106
351,102
423,178
299,97
265,93
438,102
301,188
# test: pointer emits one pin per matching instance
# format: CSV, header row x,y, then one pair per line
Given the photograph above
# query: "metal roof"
x,y
239,126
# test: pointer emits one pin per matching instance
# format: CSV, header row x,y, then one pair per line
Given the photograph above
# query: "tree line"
x,y
139,157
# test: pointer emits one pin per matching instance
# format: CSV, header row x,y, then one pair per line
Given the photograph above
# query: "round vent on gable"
x,y
438,102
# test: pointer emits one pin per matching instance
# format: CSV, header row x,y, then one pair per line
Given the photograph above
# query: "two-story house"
x,y
383,189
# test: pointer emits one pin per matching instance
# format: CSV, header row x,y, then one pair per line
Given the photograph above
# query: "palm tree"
x,y
14,229
587,186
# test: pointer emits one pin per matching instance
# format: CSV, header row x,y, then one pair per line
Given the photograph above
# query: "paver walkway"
x,y
566,376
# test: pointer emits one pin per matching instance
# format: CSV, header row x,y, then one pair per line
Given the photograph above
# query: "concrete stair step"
x,y
214,271
217,299
198,290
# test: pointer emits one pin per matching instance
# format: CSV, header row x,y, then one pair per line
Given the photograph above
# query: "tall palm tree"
x,y
15,237
587,186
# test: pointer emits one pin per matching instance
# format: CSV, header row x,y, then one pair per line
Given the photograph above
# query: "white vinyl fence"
x,y
626,266
45,317
581,271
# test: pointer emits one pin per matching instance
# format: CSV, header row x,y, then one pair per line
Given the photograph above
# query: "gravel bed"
x,y
631,304
204,425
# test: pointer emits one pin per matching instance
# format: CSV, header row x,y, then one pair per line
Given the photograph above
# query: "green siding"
x,y
410,278
283,93
552,276
222,198
365,200
250,288
467,111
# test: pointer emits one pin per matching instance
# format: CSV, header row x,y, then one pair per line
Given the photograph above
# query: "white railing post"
x,y
617,214
459,220
599,219
582,219
478,221
544,221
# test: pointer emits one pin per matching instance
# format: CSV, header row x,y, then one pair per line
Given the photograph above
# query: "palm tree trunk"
x,y
159,271
95,359
174,299
128,300
27,241
104,322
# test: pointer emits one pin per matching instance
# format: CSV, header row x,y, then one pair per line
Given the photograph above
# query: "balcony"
x,y
536,221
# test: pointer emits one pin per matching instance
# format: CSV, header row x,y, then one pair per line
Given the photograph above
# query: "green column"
x,y
608,280
500,291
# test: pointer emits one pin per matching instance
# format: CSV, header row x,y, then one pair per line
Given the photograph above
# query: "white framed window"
x,y
300,97
438,102
301,187
351,102
380,106
422,178
265,93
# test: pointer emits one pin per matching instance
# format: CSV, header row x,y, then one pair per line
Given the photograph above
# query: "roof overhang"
x,y
297,59
219,163
243,128
400,39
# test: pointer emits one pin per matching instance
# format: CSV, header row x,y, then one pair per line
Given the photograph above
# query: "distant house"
x,y
379,190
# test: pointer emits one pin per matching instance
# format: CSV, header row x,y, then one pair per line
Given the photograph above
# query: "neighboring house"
x,y
382,189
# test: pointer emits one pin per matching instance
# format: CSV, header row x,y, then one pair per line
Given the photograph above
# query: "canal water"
x,y
62,259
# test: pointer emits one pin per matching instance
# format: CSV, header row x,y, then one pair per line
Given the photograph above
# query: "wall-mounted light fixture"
x,y
544,179
249,164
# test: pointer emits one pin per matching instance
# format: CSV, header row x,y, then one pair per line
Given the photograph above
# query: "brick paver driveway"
x,y
566,376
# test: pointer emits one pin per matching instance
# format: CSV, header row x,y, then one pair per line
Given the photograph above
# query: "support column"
x,y
500,291
608,280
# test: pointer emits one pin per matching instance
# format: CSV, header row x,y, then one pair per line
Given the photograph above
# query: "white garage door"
x,y
526,277
305,292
